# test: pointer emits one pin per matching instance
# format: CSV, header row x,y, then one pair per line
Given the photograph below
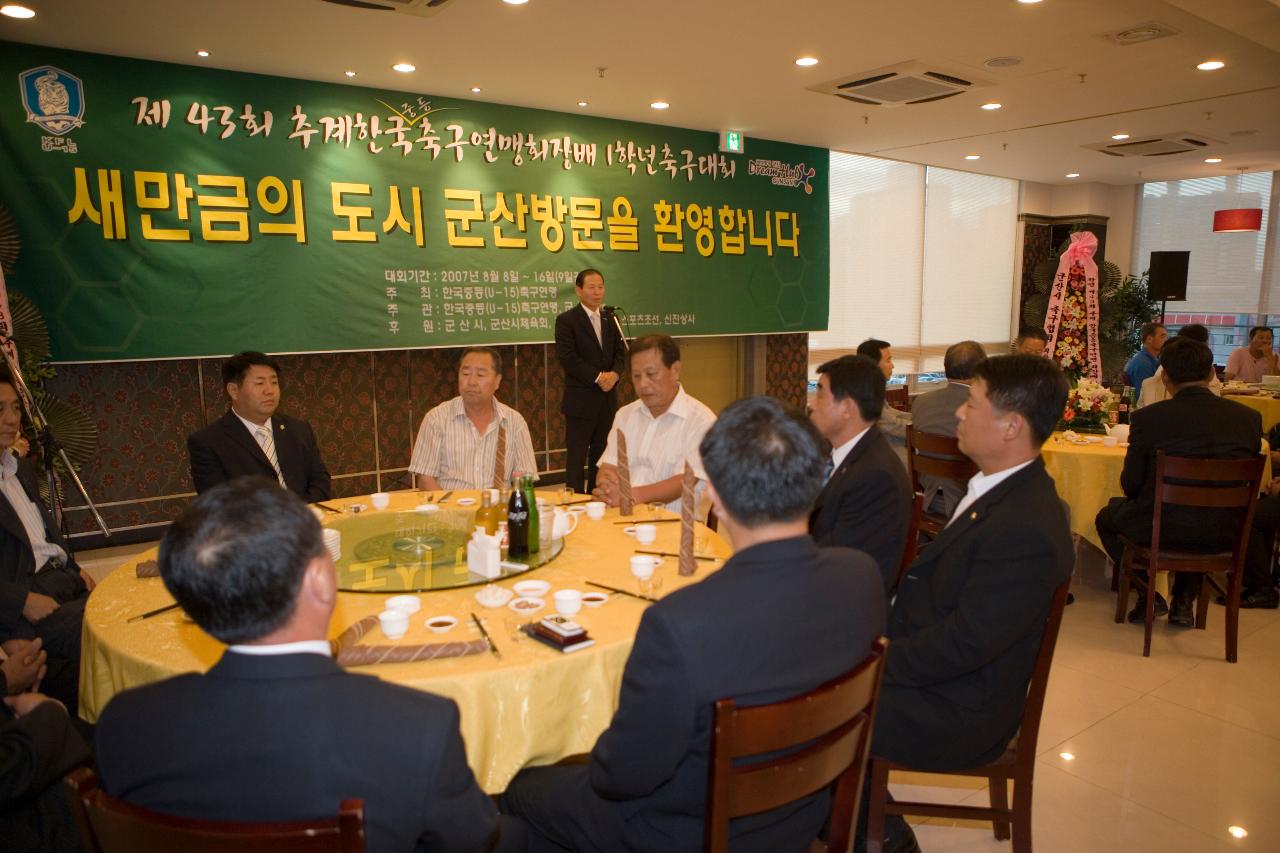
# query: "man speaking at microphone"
x,y
590,349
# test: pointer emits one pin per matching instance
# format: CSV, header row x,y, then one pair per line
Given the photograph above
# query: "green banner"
x,y
165,210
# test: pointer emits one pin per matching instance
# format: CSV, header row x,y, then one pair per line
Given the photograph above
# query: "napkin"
x,y
348,653
148,569
687,505
626,502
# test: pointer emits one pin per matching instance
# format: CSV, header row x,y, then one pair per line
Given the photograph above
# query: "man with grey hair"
x,y
935,412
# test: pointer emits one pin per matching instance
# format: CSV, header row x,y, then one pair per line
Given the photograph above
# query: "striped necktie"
x,y
828,469
500,458
269,448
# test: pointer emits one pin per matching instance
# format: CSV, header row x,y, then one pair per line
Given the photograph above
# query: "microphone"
x,y
612,309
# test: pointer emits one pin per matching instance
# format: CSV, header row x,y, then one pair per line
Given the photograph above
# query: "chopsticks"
x,y
647,521
444,497
677,554
620,591
487,638
155,612
328,508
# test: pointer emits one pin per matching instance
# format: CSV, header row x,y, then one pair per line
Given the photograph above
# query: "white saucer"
x,y
526,605
466,501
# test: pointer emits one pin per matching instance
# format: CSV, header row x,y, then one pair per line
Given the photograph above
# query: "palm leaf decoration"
x,y
10,241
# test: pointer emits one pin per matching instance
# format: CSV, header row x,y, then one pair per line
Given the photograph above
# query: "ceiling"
x,y
724,64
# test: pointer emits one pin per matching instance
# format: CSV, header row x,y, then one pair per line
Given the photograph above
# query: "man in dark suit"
x,y
935,412
253,438
42,590
276,730
1193,422
866,502
591,352
781,617
967,622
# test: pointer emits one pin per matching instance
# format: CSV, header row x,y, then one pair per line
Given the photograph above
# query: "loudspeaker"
x,y
1168,276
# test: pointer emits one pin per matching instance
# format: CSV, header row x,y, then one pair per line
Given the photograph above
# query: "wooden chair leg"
x,y
1234,581
1022,816
1202,604
879,794
1150,618
1121,585
998,790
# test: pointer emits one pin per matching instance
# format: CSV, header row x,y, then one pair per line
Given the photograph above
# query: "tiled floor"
x,y
1169,751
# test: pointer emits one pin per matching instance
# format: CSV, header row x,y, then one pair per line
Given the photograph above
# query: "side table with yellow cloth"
x,y
1266,405
535,705
1087,477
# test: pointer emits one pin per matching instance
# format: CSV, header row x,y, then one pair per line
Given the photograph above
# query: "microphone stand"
x,y
613,315
49,446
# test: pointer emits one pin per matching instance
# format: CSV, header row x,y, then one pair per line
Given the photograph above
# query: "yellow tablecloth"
x,y
1088,476
1269,407
534,706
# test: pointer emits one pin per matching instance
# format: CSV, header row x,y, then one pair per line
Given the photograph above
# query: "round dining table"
x,y
524,704
1263,403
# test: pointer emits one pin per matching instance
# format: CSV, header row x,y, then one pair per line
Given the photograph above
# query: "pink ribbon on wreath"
x,y
1077,271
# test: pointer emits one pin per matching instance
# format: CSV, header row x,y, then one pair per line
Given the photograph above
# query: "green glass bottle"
x,y
526,486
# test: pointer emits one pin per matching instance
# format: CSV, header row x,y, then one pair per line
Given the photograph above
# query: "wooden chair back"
x,y
911,547
936,456
898,398
110,825
1206,483
824,735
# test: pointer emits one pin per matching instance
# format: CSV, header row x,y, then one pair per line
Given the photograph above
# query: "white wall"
x,y
1118,203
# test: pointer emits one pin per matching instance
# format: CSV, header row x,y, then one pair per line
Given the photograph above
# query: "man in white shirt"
x,y
42,590
458,443
663,428
1154,390
277,730
892,422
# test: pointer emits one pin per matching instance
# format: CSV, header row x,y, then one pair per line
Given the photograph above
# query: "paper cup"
x,y
380,500
568,601
407,603
394,623
595,510
642,566
646,533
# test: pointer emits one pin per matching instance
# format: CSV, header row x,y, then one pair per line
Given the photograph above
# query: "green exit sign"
x,y
732,142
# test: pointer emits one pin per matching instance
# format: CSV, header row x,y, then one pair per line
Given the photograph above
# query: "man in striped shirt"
x,y
458,442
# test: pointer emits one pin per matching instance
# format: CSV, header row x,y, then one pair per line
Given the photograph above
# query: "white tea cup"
x,y
643,566
1110,441
568,601
595,510
408,603
646,533
394,623
380,500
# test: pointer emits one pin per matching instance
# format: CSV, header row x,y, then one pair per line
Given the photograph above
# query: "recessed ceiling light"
x,y
475,90
1028,2
1066,756
404,67
13,10
582,103
973,156
349,73
992,106
203,54
1073,174
1213,159
1119,136
659,105
515,2
1237,831
1211,65
806,61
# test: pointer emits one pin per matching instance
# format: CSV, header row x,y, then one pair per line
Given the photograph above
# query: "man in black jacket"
x,y
1192,422
252,438
969,615
276,730
42,590
866,502
781,617
592,354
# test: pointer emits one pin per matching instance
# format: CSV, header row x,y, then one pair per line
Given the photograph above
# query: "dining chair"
x,y
1016,765
1203,483
823,736
110,825
935,455
898,397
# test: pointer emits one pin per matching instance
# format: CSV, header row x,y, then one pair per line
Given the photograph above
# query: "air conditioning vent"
x,y
905,83
1140,34
420,8
1162,145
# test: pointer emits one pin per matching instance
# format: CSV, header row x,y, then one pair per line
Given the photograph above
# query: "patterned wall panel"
x,y
396,427
787,368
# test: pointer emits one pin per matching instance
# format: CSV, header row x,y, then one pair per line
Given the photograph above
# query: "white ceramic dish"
x,y
492,595
407,603
426,509
594,599
466,501
527,605
531,588
440,624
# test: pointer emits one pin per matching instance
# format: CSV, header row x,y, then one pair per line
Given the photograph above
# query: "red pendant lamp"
x,y
1240,219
